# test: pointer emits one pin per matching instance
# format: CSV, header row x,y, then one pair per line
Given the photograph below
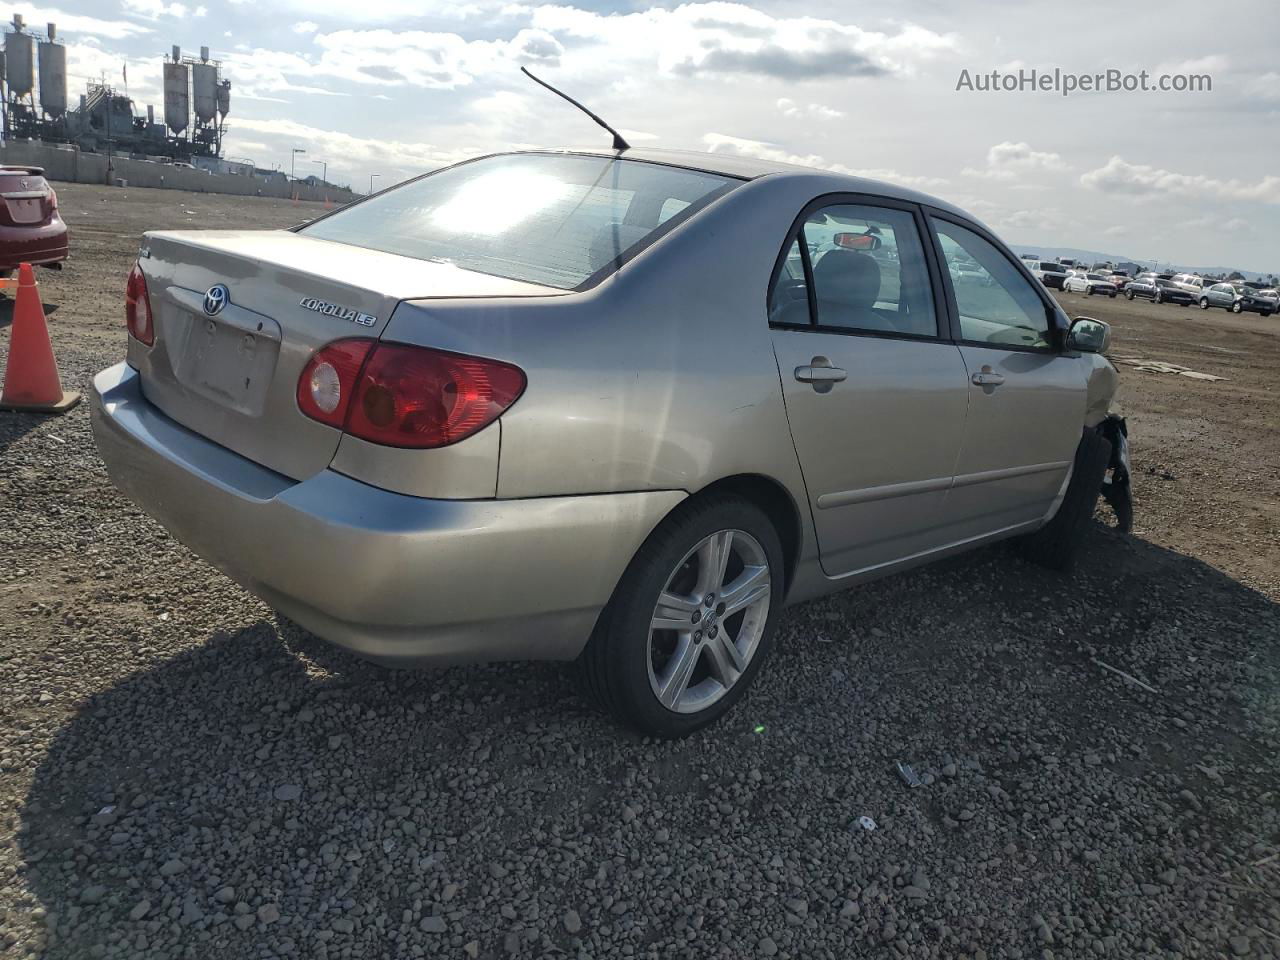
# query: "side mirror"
x,y
1089,335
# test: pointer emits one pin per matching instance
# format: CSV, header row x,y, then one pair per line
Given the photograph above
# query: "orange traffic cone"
x,y
295,198
31,374
327,204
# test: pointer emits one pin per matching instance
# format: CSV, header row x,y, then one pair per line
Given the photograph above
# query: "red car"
x,y
31,231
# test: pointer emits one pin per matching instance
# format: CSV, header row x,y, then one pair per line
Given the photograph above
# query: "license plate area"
x,y
26,210
229,364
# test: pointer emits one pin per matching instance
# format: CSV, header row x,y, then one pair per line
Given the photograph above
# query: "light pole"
x,y
324,170
293,162
372,176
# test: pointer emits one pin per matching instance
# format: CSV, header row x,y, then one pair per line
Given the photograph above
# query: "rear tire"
x,y
1129,294
626,660
1056,543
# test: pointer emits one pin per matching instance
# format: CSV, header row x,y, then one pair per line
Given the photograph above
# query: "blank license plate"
x,y
229,365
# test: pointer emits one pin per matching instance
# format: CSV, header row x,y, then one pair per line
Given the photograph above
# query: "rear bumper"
x,y
35,245
395,578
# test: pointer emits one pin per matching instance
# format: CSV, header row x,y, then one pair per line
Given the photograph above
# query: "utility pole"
x,y
293,162
324,169
371,179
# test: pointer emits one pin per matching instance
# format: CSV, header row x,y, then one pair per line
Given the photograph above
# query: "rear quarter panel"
x,y
661,377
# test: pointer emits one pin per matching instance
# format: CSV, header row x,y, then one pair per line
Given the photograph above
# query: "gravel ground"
x,y
183,774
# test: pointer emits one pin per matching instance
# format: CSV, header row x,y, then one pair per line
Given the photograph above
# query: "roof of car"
x,y
750,168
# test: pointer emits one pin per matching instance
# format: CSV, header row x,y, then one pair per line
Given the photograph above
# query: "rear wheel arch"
x,y
778,505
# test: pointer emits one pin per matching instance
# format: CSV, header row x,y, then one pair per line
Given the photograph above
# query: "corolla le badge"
x,y
337,310
215,298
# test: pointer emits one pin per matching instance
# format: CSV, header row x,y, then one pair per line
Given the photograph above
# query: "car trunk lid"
x,y
26,198
238,314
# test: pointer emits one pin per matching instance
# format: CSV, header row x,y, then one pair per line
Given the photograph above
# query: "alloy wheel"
x,y
708,622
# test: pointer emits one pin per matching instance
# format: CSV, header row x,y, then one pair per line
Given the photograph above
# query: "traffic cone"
x,y
295,198
31,374
328,205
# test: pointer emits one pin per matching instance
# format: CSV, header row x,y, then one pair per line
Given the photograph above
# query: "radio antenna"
x,y
618,142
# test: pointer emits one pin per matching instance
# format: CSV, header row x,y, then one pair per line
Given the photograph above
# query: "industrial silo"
x,y
18,68
224,97
177,102
53,75
204,90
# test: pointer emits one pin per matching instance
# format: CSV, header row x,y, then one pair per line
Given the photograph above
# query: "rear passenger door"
x,y
1026,397
875,394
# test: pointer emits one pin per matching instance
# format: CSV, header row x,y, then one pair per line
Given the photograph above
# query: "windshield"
x,y
549,219
1053,268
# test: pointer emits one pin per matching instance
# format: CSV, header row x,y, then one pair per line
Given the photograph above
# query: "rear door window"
x,y
868,271
551,219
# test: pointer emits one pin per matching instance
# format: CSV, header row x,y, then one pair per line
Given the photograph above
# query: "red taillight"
x,y
137,308
53,199
329,379
403,396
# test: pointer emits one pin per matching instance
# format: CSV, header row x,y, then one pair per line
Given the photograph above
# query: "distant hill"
x,y
1049,252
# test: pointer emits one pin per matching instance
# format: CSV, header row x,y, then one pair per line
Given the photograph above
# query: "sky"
x,y
392,88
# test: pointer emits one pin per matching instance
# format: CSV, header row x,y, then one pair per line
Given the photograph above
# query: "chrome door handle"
x,y
987,378
820,374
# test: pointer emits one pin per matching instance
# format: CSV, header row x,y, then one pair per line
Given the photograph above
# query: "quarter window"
x,y
868,270
996,303
789,299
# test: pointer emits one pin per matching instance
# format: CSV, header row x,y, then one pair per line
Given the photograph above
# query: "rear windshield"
x,y
1053,268
548,219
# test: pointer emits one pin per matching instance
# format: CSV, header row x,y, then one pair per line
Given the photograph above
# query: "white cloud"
x,y
384,11
1046,218
1265,86
731,38
761,150
1008,160
89,61
306,26
1117,230
76,23
792,110
354,152
1118,176
1213,63
155,9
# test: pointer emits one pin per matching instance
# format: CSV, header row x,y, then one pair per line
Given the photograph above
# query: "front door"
x,y
875,398
1026,398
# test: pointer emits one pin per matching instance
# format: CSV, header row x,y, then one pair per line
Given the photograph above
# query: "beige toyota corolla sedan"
x,y
618,408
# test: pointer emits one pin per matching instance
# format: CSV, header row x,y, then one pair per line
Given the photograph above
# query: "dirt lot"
x,y
184,775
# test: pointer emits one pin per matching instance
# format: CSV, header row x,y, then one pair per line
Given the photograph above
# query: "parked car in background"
x,y
1121,280
1049,272
966,271
1265,292
1158,289
1237,298
1081,281
562,435
31,229
1190,282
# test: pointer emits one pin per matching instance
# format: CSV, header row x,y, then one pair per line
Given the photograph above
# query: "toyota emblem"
x,y
215,298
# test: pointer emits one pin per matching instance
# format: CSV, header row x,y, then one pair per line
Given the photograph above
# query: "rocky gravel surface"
x,y
185,775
